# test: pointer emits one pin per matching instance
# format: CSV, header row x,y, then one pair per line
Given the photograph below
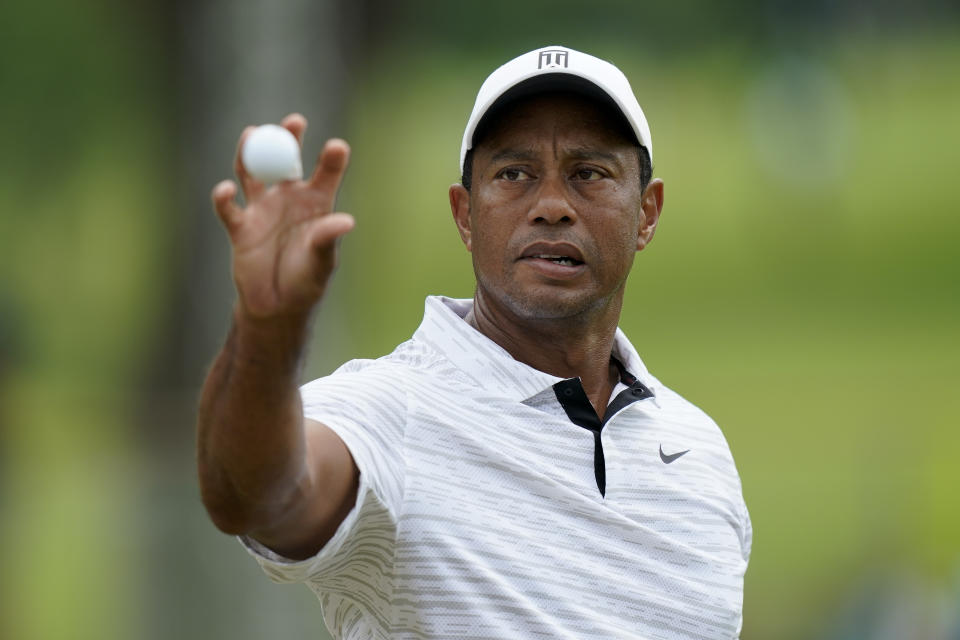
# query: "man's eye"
x,y
589,174
514,175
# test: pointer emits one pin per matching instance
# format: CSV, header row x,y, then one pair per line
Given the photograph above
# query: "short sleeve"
x,y
367,518
747,535
365,405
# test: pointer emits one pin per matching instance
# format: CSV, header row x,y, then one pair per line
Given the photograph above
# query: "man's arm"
x,y
265,470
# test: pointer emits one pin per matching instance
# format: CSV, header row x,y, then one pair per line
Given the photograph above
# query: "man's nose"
x,y
553,202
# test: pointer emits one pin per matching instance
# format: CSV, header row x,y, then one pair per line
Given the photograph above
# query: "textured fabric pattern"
x,y
478,514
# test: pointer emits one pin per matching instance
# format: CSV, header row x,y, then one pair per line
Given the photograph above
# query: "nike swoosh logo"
x,y
667,459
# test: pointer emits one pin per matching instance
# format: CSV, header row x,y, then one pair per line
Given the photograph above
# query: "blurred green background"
x,y
802,288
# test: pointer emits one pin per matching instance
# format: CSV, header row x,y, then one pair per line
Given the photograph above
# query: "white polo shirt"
x,y
493,505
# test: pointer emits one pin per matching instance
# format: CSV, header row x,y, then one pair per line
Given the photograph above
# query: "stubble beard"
x,y
550,304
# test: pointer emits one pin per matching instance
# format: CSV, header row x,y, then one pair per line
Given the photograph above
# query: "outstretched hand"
x,y
285,239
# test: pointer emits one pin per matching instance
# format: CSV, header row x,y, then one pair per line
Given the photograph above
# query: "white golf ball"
x,y
271,153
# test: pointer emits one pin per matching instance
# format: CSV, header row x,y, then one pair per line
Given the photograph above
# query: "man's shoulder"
x,y
672,400
669,402
684,415
412,360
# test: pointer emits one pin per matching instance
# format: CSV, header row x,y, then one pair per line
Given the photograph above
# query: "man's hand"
x,y
285,239
265,470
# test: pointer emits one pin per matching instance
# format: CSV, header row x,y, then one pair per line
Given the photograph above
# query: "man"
x,y
513,470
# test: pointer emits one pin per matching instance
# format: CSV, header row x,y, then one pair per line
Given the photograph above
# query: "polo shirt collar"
x,y
490,365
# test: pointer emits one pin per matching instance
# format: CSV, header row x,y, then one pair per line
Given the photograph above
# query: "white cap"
x,y
552,68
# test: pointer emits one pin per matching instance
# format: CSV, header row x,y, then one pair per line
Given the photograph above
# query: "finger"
x,y
324,231
252,188
331,165
296,124
225,204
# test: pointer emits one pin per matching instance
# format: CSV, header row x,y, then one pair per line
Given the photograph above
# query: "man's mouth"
x,y
563,254
564,260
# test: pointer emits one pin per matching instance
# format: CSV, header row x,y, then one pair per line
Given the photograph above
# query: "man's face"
x,y
555,214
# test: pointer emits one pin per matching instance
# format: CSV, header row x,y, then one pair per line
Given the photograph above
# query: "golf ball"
x,y
271,153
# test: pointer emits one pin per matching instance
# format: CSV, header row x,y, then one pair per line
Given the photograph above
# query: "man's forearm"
x,y
251,446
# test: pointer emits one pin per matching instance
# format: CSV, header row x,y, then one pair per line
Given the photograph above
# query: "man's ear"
x,y
651,204
460,207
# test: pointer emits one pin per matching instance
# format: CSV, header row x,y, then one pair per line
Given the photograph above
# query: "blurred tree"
x,y
235,64
238,63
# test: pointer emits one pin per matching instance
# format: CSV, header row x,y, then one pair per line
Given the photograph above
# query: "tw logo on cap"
x,y
552,59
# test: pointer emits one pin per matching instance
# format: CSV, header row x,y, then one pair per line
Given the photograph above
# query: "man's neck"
x,y
578,347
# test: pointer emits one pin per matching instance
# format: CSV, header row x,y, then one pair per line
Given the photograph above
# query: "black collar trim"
x,y
577,406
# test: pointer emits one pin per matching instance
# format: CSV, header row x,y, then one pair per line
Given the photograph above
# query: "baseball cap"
x,y
557,68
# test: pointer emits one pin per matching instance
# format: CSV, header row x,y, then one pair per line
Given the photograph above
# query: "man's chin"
x,y
552,305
